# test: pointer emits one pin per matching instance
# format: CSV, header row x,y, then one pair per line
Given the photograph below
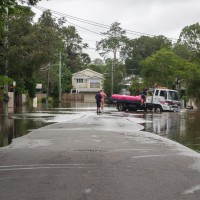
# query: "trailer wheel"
x,y
120,107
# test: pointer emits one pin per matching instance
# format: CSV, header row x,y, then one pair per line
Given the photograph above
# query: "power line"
x,y
137,33
74,18
84,28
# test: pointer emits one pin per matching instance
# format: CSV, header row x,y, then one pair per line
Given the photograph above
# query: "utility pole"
x,y
112,78
112,72
47,96
60,88
5,105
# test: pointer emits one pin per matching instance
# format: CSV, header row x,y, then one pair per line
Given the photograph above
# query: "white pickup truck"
x,y
159,99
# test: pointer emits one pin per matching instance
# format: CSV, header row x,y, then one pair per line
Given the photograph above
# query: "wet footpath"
x,y
97,157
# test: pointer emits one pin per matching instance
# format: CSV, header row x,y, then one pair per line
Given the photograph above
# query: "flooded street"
x,y
183,127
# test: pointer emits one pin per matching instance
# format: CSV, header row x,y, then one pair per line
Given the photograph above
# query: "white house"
x,y
87,82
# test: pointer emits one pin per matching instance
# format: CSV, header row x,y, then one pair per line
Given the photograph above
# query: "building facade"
x,y
88,83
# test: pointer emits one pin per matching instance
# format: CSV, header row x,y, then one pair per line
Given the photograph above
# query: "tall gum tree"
x,y
73,49
113,43
190,37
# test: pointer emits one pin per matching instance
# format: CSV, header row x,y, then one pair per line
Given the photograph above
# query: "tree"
x,y
65,40
98,61
164,67
112,43
73,49
31,46
118,76
4,81
9,4
48,40
183,51
190,36
18,54
136,86
136,50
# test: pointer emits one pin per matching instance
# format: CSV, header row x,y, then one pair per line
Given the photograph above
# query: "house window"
x,y
79,80
95,83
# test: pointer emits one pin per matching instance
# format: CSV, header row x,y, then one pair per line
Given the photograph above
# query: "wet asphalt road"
x,y
97,157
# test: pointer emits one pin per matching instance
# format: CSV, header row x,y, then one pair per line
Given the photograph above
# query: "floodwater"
x,y
26,119
183,127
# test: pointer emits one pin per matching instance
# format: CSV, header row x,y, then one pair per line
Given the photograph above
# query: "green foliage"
x,y
76,60
10,6
183,51
112,43
4,81
56,91
114,40
164,67
193,88
118,76
30,84
101,68
32,46
136,86
189,39
190,36
66,80
98,61
50,100
136,50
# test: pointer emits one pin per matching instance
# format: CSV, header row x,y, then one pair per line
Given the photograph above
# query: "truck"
x,y
158,99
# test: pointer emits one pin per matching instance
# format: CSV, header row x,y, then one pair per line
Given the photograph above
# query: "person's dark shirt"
x,y
98,97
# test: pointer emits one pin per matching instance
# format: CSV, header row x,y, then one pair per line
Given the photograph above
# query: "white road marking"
x,y
35,165
132,150
49,166
35,168
43,166
148,156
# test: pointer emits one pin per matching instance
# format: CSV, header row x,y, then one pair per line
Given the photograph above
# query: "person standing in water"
x,y
98,102
103,95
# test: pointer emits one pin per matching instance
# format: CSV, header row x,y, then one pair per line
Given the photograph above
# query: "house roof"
x,y
83,72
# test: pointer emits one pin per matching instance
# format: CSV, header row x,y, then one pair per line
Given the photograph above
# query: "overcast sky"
x,y
155,17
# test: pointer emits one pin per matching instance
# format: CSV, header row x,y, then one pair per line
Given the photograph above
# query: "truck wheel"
x,y
120,107
158,109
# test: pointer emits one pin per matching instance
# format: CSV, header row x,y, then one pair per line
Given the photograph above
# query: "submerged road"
x,y
97,157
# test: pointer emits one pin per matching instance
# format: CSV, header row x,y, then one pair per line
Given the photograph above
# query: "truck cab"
x,y
163,99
